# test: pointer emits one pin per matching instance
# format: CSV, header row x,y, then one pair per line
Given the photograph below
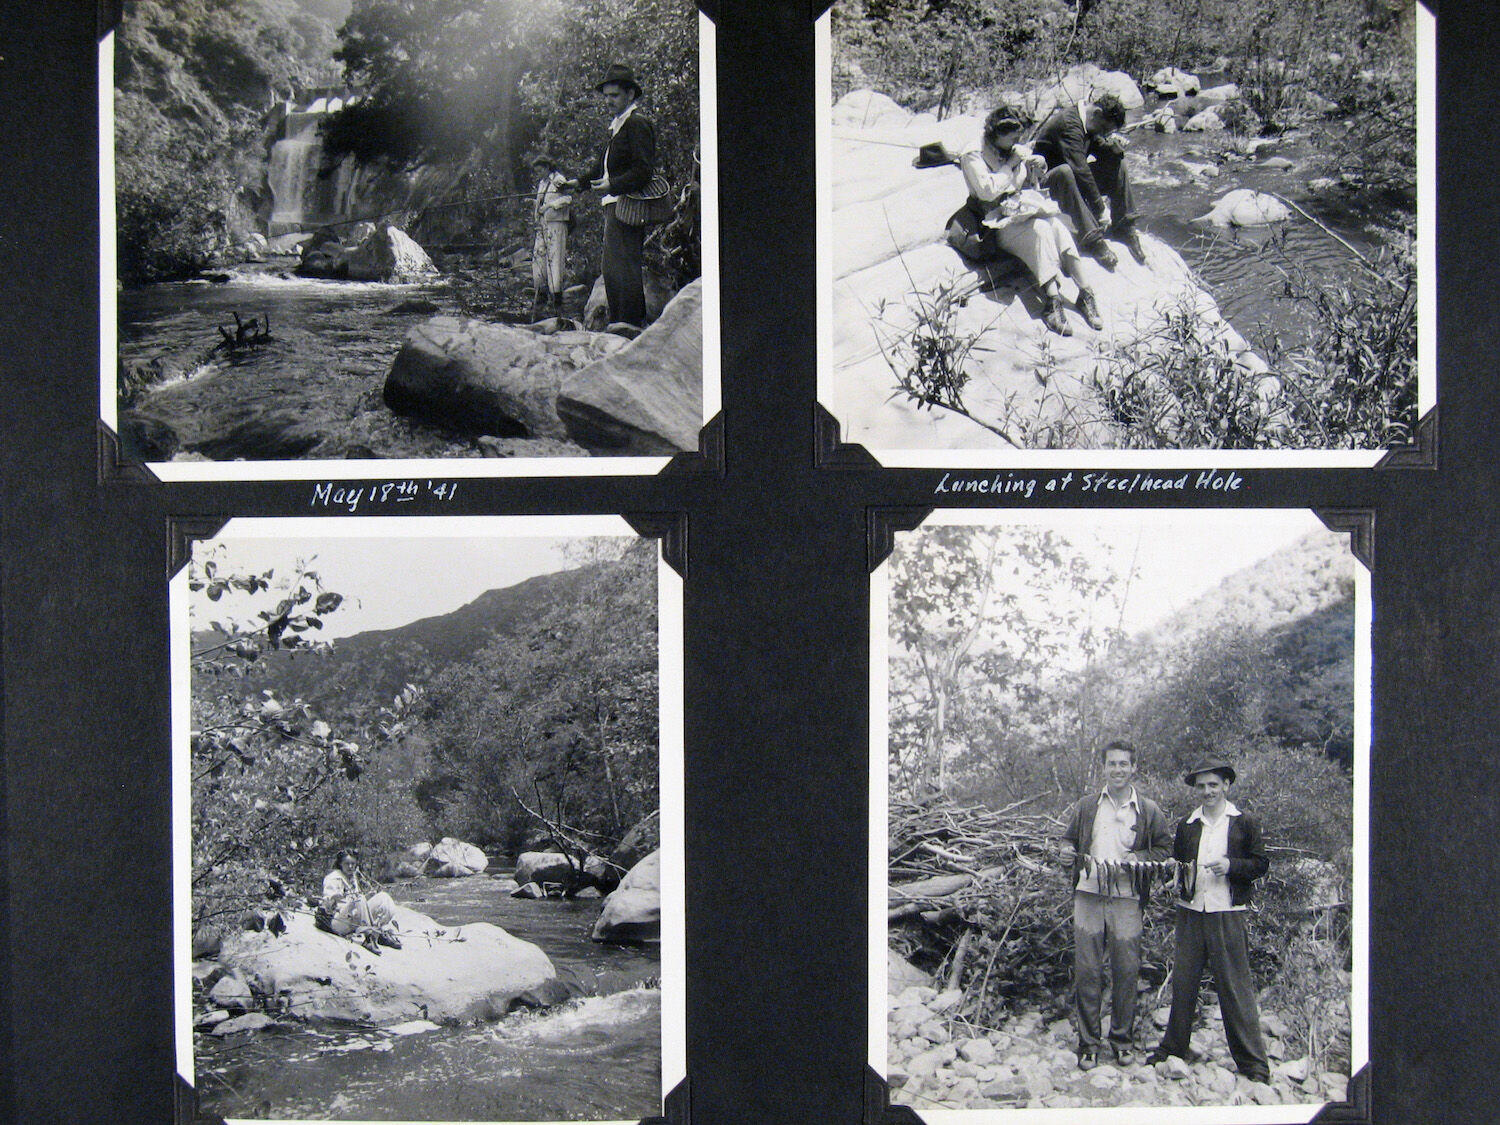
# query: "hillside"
x,y
1267,656
370,668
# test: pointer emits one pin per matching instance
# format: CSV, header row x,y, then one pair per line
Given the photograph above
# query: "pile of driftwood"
x,y
979,898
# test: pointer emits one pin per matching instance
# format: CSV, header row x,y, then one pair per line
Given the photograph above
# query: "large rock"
x,y
1243,207
888,252
479,378
642,839
646,399
543,867
633,911
1170,82
455,859
466,972
369,253
1082,83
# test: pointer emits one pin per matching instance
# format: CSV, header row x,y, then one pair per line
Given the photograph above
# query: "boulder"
x,y
646,398
1170,82
367,252
455,859
466,972
1084,82
901,974
1245,208
478,378
1208,121
1218,95
250,1021
888,253
231,991
543,867
389,254
642,839
632,912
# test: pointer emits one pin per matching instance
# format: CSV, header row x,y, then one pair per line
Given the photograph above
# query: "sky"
x,y
392,571
1179,554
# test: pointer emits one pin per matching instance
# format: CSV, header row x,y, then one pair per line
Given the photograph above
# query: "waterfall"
x,y
301,197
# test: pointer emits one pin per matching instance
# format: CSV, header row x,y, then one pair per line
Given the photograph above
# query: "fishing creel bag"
x,y
652,204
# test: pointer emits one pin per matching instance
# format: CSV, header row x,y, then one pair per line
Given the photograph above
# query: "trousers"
x,y
1218,938
1105,925
549,257
624,255
1114,182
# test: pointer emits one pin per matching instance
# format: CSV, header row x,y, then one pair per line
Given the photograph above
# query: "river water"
x,y
1177,179
595,1058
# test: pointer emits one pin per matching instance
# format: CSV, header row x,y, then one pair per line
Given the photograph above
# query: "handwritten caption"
x,y
1127,483
351,497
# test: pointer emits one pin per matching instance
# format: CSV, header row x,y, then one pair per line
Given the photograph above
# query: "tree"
x,y
271,784
983,620
562,716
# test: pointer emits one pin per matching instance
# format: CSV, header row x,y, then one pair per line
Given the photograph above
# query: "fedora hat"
x,y
1210,765
619,75
542,157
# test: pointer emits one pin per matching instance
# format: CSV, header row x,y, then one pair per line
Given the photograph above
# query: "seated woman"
x,y
348,908
1006,212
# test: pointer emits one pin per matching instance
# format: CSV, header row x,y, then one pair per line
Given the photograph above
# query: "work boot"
x,y
1102,254
1132,241
1089,309
1053,317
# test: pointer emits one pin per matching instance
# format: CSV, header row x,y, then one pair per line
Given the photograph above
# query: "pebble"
x,y
934,1032
981,1052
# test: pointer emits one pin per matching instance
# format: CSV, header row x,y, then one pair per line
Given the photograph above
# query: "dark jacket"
x,y
1247,858
1152,836
630,158
1062,139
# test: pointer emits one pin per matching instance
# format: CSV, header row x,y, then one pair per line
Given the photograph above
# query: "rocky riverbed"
x,y
936,1060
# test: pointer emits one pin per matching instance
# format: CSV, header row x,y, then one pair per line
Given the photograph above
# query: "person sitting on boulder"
x,y
1006,212
346,909
1095,194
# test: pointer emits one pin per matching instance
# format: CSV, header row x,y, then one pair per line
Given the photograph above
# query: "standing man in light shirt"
x,y
1106,832
1219,855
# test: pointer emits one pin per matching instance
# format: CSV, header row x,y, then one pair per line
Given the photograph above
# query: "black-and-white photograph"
x,y
1125,225
353,229
1119,838
427,803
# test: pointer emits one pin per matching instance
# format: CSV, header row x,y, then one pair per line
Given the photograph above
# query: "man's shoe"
x,y
1088,1058
1260,1076
1089,309
1157,1056
1102,254
1132,240
1053,318
1124,1054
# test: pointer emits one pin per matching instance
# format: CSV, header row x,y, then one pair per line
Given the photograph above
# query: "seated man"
x,y
1095,195
348,909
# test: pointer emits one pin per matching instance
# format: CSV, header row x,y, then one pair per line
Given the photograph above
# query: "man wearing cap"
x,y
1105,833
551,211
1095,194
1219,856
626,166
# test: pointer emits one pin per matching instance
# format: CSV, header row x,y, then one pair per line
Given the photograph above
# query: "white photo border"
x,y
830,394
879,754
670,689
459,467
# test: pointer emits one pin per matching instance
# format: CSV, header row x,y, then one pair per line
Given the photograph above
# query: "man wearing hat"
x,y
1106,832
552,212
626,166
1219,856
1085,154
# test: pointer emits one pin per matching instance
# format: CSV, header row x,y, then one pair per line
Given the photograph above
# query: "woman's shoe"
x,y
1089,309
1053,318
